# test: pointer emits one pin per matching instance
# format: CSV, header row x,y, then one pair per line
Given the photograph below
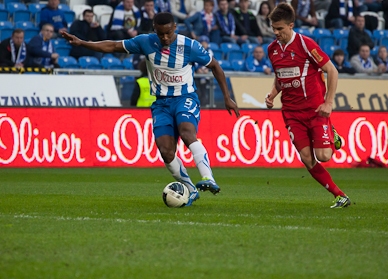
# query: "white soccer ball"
x,y
176,194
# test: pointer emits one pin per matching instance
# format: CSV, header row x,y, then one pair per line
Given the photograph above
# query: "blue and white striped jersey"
x,y
170,70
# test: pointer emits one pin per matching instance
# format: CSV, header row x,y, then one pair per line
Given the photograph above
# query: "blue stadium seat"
x,y
344,43
112,63
329,49
63,50
11,1
238,65
89,62
20,8
127,84
35,10
127,63
4,15
6,29
339,34
369,33
69,16
225,65
213,46
29,33
227,47
217,53
64,7
68,62
265,48
305,32
378,35
235,55
2,7
384,42
59,42
323,36
247,48
37,18
24,24
374,51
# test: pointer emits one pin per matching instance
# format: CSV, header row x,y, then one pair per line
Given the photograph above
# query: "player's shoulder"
x,y
305,39
273,44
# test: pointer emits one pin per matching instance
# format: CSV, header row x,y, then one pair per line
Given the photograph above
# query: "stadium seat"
x,y
18,12
343,43
235,55
6,29
339,34
24,24
79,9
329,49
64,7
104,20
68,62
265,48
5,2
36,7
305,32
384,42
247,48
89,62
127,63
72,3
37,18
378,35
112,63
4,15
102,9
126,85
63,50
225,65
227,48
217,53
374,51
70,16
238,65
214,46
59,42
323,37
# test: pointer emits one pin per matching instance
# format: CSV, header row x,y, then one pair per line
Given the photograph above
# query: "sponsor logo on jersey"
x,y
275,52
316,55
164,76
285,85
295,83
288,72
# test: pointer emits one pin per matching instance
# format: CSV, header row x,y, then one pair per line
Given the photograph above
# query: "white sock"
x,y
201,159
180,174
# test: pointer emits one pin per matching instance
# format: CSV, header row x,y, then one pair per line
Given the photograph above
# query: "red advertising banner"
x,y
86,137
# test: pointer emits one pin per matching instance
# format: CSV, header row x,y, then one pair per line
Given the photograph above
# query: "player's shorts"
x,y
308,128
169,112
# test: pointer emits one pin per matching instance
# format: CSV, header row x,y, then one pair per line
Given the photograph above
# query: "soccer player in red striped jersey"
x,y
299,63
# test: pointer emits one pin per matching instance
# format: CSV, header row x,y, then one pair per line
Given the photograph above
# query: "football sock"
x,y
180,174
321,175
201,159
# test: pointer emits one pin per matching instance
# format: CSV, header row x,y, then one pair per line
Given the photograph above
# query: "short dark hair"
x,y
208,1
163,18
17,31
338,52
87,11
282,11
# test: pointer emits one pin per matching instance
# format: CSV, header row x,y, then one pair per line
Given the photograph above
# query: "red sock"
x,y
323,177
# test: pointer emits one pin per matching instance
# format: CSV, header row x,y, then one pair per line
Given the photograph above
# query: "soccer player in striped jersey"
x,y
298,63
176,111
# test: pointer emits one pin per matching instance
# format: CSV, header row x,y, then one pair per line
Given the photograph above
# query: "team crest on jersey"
x,y
316,55
295,83
180,49
325,132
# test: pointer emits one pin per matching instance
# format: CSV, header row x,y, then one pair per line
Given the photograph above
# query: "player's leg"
x,y
187,119
323,146
166,140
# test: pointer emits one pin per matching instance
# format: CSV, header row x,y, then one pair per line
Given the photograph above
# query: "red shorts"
x,y
307,128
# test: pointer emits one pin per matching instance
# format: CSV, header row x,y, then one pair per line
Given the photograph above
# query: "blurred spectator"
x,y
41,48
305,13
257,62
194,25
86,30
141,95
125,21
27,2
363,62
322,4
246,25
210,27
341,64
384,5
203,83
226,22
264,23
182,9
112,3
358,36
274,3
382,58
163,6
340,14
374,5
13,51
51,14
147,13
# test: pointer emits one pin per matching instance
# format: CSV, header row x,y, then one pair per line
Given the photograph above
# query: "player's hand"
x,y
324,110
231,105
71,38
268,101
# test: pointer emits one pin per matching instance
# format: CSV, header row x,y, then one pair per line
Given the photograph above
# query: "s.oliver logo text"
x,y
164,76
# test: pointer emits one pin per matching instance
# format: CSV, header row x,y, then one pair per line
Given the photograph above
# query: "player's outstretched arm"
x,y
102,46
218,73
272,95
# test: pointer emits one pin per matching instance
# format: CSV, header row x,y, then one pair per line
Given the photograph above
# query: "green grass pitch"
x,y
265,223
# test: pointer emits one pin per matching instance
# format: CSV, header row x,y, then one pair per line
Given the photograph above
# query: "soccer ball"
x,y
176,194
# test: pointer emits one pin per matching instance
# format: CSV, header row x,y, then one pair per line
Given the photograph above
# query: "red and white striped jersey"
x,y
297,66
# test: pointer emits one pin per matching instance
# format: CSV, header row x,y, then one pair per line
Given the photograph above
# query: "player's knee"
x,y
188,137
167,154
324,155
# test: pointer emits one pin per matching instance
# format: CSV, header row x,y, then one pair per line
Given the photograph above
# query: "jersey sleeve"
x,y
317,55
134,45
199,55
